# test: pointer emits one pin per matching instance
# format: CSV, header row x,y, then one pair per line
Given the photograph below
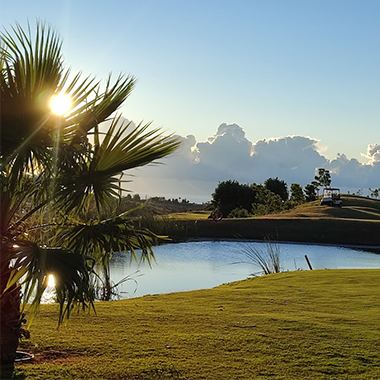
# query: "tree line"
x,y
236,200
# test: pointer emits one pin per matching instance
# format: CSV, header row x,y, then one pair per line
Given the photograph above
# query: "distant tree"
x,y
297,195
278,187
374,193
136,197
311,192
230,194
323,178
266,201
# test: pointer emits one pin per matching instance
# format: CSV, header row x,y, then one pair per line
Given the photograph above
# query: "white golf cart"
x,y
331,197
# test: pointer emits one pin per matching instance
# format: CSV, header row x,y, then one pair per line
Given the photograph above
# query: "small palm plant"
x,y
54,169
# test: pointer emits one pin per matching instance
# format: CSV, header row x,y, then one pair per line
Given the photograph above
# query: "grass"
x,y
354,208
190,215
296,325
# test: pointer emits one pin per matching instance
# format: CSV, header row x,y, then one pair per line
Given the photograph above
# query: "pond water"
x,y
206,264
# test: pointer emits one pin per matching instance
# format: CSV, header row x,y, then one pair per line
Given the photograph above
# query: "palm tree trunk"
x,y
10,323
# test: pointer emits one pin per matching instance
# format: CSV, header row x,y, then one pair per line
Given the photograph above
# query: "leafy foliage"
x,y
297,194
230,195
323,178
54,169
232,198
239,212
267,202
310,192
278,187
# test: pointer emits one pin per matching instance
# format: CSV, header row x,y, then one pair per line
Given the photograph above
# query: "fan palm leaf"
x,y
32,265
53,169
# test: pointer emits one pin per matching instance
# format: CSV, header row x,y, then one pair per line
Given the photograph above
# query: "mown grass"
x,y
190,215
297,325
354,208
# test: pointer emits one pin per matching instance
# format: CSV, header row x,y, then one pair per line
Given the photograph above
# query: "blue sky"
x,y
275,68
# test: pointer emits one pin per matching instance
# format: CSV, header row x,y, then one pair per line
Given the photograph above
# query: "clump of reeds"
x,y
266,258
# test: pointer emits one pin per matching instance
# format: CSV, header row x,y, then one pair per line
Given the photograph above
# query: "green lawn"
x,y
321,324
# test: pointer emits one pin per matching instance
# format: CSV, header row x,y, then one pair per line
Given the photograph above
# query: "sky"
x,y
254,88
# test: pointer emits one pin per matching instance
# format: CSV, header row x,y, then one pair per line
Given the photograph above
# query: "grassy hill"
x,y
354,207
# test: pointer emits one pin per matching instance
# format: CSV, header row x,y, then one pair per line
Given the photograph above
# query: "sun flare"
x,y
60,104
51,281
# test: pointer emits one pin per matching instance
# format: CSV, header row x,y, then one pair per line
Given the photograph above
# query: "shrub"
x,y
239,212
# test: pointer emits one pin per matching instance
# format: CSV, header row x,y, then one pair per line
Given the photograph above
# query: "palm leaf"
x,y
100,175
99,239
53,168
70,270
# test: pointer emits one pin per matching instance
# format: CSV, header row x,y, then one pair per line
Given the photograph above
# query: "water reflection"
x,y
205,264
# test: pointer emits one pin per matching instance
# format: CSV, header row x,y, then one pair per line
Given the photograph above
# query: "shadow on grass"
x,y
9,373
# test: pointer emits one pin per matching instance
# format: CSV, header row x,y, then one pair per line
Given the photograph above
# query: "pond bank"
x,y
358,234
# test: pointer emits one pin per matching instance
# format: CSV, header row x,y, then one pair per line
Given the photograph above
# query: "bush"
x,y
239,212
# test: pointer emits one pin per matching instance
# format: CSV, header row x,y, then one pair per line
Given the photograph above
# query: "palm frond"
x,y
102,239
71,272
100,176
53,167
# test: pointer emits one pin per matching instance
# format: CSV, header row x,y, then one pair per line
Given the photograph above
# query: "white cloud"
x,y
292,158
196,168
373,153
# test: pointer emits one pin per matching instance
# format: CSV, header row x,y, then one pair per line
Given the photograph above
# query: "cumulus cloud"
x,y
292,157
373,153
197,167
228,152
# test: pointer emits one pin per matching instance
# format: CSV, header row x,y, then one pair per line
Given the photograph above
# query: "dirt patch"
x,y
50,355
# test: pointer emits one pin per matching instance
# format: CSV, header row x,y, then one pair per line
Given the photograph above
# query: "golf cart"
x,y
331,197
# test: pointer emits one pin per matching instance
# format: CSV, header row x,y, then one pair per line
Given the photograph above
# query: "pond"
x,y
206,264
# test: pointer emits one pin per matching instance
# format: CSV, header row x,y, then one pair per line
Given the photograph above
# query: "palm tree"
x,y
61,179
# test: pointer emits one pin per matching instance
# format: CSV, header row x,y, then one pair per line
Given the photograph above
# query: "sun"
x,y
51,281
60,104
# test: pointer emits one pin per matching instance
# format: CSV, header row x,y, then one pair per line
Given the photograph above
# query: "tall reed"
x,y
266,258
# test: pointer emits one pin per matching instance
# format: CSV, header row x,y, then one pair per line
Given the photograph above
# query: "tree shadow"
x,y
9,373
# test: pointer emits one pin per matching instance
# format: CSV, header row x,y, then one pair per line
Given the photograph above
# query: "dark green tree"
x,y
311,192
278,187
229,195
297,195
323,178
266,201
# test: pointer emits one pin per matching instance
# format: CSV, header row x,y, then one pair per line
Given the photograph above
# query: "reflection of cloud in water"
x,y
200,265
